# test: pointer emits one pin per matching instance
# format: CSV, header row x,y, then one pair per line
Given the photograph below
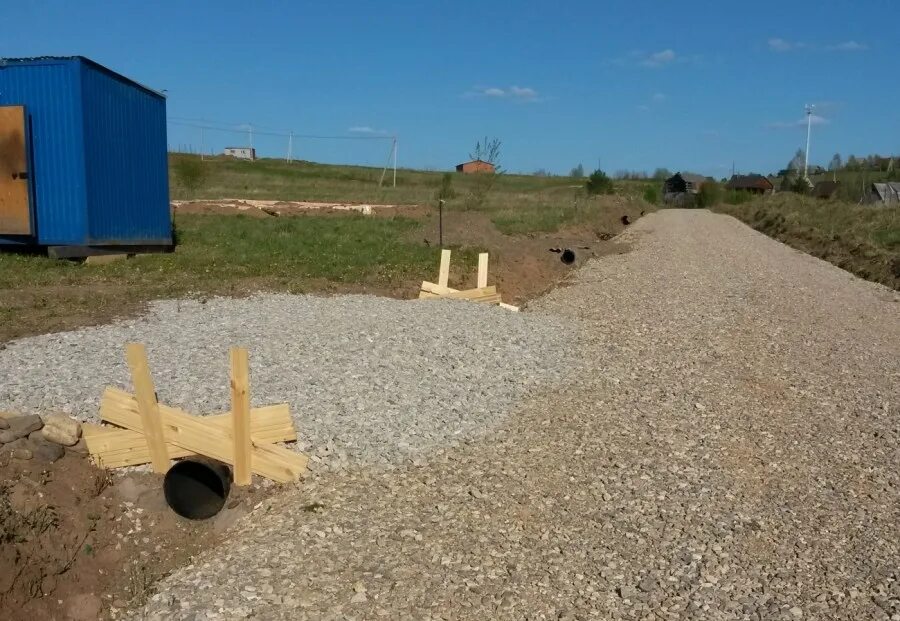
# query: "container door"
x,y
15,211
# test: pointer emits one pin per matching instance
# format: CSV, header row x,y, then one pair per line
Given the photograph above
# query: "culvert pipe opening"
x,y
197,489
567,256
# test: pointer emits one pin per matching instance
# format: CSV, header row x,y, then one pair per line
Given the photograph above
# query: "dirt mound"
x,y
76,542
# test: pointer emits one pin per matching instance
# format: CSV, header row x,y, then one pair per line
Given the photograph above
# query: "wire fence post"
x,y
441,223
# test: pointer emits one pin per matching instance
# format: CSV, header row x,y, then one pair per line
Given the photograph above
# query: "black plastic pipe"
x,y
567,256
197,489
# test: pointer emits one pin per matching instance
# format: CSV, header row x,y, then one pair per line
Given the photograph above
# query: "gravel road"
x,y
725,446
369,380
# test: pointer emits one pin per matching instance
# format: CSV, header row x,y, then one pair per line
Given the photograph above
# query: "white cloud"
x,y
659,97
516,93
849,46
781,45
365,129
643,107
522,93
815,119
658,59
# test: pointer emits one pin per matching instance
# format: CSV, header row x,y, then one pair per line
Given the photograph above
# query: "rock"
x,y
61,429
19,427
796,612
627,592
359,598
22,453
4,458
3,424
80,447
43,449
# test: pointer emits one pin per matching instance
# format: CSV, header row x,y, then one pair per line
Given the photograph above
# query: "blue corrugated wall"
x,y
51,94
98,150
127,168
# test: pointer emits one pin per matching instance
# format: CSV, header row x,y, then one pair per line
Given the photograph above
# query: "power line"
x,y
284,134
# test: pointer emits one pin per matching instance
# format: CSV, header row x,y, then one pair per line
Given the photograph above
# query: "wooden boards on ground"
x,y
197,435
482,293
114,448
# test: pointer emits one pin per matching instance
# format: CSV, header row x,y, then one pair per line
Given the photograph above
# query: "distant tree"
x,y
651,194
541,172
487,150
835,163
801,185
446,191
710,194
852,163
796,163
661,174
788,180
599,183
577,172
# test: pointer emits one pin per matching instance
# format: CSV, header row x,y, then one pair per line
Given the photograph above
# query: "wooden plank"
x,y
472,294
509,307
197,435
240,412
114,448
465,294
15,212
482,269
145,394
493,298
431,287
444,272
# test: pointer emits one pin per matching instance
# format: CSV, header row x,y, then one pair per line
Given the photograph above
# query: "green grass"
x,y
863,239
217,255
239,254
269,179
214,250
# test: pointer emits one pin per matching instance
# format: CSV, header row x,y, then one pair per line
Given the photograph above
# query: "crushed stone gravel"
x,y
368,379
725,447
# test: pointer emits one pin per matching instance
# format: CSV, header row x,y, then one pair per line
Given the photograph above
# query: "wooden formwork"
x,y
149,432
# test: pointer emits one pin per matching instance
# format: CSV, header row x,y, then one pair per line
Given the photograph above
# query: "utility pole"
x,y
396,148
250,131
809,111
290,157
201,144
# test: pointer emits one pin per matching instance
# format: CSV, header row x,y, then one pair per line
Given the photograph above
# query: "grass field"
x,y
236,255
269,179
863,239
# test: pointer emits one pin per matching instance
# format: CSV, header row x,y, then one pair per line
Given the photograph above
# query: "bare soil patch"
x,y
79,542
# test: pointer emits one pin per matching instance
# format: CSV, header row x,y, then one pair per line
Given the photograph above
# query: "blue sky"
x,y
634,85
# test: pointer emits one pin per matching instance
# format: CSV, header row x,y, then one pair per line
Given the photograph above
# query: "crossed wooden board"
x,y
482,293
150,432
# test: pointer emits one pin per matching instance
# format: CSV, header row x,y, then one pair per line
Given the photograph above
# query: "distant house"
x,y
475,166
825,189
681,188
885,193
754,184
241,153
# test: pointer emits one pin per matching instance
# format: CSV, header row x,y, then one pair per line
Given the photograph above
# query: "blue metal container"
x,y
96,149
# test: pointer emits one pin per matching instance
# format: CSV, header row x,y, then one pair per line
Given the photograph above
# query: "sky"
x,y
627,85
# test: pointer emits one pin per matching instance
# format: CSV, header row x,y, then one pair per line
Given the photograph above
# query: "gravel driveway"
x,y
726,445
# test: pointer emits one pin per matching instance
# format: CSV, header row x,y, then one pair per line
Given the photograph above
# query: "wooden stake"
x,y
444,273
482,269
145,393
240,414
